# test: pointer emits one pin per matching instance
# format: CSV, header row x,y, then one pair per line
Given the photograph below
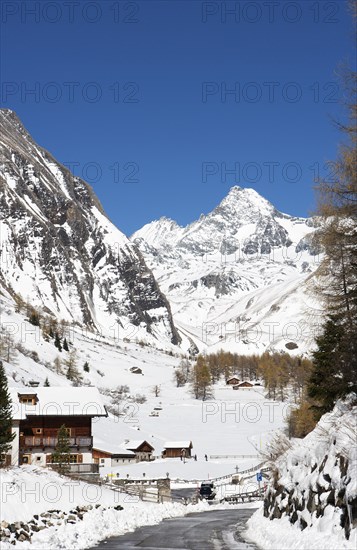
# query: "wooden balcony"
x,y
29,441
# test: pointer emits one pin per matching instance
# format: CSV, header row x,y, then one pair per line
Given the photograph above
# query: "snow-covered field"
x,y
231,425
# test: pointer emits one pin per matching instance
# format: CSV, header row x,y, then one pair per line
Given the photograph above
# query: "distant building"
x,y
243,385
136,370
38,415
114,457
142,449
177,449
232,380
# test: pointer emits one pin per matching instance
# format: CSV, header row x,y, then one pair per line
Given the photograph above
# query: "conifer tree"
x,y
58,342
73,373
333,375
34,318
61,454
6,436
335,361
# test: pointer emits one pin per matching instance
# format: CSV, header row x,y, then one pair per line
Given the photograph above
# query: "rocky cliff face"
x,y
60,251
315,482
244,262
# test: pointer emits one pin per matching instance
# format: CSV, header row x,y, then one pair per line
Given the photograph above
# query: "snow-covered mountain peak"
x,y
245,204
216,269
59,249
159,231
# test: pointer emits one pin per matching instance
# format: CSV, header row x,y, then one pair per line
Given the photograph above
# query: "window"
x,y
102,460
28,399
38,458
73,459
38,430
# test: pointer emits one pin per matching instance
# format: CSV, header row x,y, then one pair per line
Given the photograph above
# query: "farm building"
x,y
177,449
114,457
142,449
39,413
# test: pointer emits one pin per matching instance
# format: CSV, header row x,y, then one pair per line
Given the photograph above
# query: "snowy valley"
x,y
124,314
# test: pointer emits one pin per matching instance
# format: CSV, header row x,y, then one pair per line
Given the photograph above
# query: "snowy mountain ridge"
x,y
242,262
61,252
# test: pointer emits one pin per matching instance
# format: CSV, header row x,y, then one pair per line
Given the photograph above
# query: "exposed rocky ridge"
x,y
60,250
317,478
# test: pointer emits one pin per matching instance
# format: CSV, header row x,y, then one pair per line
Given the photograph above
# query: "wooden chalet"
x,y
243,385
142,449
233,380
177,449
39,413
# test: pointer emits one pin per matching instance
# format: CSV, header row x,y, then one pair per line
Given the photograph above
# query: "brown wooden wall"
x,y
176,453
233,381
100,454
79,425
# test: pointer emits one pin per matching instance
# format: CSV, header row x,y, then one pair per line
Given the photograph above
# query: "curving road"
x,y
212,530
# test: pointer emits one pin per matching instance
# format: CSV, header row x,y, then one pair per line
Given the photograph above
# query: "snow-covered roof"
x,y
177,444
58,401
134,443
113,449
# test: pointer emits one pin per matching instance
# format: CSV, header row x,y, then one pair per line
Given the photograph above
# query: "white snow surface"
x,y
27,491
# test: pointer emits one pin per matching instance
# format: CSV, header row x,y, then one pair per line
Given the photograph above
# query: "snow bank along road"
x,y
212,530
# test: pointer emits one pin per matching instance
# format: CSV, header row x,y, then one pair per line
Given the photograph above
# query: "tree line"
x,y
283,375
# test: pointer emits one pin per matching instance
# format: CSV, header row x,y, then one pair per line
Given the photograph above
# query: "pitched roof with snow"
x,y
178,445
58,401
114,450
134,444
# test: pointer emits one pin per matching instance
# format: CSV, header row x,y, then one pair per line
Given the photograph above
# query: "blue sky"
x,y
135,97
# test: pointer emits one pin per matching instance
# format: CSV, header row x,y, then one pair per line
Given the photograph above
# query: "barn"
x,y
177,449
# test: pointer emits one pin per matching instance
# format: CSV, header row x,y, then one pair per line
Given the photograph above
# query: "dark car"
x,y
207,490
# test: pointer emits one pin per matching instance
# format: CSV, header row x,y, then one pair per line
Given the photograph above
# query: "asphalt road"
x,y
212,530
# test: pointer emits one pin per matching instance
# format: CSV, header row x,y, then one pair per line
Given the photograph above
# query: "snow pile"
x,y
312,498
27,491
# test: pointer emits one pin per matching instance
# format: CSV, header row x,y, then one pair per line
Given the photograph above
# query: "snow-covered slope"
x,y
312,498
241,421
60,251
236,277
